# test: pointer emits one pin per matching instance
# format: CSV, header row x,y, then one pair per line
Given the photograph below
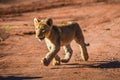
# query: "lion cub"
x,y
57,36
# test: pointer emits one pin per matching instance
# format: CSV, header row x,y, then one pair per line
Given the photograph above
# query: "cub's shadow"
x,y
18,78
114,64
91,64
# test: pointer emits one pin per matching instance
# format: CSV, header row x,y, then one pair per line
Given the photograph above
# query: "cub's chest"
x,y
48,42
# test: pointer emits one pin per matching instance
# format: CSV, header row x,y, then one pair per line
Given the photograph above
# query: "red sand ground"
x,y
21,52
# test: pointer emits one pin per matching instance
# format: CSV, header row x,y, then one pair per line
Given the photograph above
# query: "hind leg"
x,y
83,49
68,53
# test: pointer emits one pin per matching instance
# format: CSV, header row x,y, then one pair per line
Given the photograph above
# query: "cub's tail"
x,y
87,44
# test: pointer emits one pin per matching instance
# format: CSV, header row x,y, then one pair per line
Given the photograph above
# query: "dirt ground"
x,y
21,52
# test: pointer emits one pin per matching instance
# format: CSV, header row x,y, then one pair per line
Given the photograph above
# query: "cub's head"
x,y
42,27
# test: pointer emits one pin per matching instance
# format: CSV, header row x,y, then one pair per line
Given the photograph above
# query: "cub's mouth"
x,y
41,37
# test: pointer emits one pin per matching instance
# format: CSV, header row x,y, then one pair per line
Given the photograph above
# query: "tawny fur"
x,y
57,36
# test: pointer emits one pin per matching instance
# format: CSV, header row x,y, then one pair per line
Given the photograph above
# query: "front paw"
x,y
45,62
64,60
56,62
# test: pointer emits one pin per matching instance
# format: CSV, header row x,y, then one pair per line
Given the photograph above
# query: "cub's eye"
x,y
43,30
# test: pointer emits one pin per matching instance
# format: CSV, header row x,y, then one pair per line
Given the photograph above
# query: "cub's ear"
x,y
49,21
36,20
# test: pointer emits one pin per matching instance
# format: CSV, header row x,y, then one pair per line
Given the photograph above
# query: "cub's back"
x,y
67,31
